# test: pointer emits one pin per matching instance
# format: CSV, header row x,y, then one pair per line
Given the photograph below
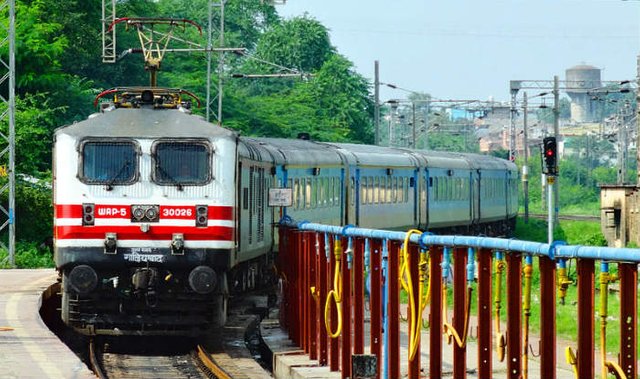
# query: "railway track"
x,y
223,354
108,363
543,216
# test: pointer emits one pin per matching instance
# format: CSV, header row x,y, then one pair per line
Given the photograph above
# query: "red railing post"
x,y
334,343
435,313
459,298
305,294
358,297
375,302
323,274
347,268
514,315
628,318
313,296
298,284
394,310
283,256
586,321
484,314
547,317
414,262
290,268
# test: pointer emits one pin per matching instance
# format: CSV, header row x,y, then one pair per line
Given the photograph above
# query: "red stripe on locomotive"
x,y
156,232
216,212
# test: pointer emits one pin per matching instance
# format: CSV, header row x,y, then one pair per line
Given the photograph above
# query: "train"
x,y
161,216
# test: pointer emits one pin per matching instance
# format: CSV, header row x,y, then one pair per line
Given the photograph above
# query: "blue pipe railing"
x,y
553,251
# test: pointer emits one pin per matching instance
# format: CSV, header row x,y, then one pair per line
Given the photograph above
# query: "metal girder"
x,y
7,120
566,85
108,35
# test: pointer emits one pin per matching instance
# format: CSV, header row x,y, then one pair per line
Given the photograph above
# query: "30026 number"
x,y
177,212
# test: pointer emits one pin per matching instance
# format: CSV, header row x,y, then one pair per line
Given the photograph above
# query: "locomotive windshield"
x,y
109,162
180,163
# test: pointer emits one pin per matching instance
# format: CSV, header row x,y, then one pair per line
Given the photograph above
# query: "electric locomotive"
x,y
144,216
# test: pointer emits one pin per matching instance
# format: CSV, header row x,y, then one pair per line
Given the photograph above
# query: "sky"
x,y
470,49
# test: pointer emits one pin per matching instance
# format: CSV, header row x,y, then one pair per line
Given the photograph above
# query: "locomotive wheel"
x,y
220,302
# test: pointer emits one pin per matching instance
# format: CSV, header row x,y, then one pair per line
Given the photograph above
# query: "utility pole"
x,y
218,115
413,137
221,62
556,134
622,144
376,100
426,126
525,166
209,47
512,128
638,121
392,124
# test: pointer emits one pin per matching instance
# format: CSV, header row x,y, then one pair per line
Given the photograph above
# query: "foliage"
x,y
572,232
28,255
340,97
34,211
36,120
300,43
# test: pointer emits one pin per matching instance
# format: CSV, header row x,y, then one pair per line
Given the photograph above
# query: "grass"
x,y
583,209
28,255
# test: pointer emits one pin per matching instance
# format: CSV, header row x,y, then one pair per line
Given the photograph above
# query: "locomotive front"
x,y
144,217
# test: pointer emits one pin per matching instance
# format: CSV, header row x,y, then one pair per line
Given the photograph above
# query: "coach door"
x,y
475,197
422,199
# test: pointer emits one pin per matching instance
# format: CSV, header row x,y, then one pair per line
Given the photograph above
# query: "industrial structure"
x,y
581,79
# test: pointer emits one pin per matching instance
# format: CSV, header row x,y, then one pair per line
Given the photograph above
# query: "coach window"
x,y
375,190
314,193
307,193
394,189
109,163
182,163
367,183
330,190
296,194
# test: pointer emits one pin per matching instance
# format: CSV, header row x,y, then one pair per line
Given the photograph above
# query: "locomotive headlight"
x,y
177,244
202,280
202,216
145,213
88,216
110,243
138,212
83,279
152,214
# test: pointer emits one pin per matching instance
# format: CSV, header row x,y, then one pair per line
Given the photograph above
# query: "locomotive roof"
x,y
151,123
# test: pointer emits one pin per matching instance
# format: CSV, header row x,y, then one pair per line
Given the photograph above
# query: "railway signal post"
x,y
550,168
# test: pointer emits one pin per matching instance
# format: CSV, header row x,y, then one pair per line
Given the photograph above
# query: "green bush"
x,y
28,255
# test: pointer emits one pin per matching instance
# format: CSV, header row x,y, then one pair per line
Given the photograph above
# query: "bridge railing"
x,y
326,270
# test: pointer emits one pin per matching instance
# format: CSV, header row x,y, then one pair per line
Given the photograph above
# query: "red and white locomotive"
x,y
144,216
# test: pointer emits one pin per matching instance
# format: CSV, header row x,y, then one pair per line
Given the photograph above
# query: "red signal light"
x,y
550,155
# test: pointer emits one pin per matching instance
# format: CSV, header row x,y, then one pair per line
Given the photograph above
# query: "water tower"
x,y
579,80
